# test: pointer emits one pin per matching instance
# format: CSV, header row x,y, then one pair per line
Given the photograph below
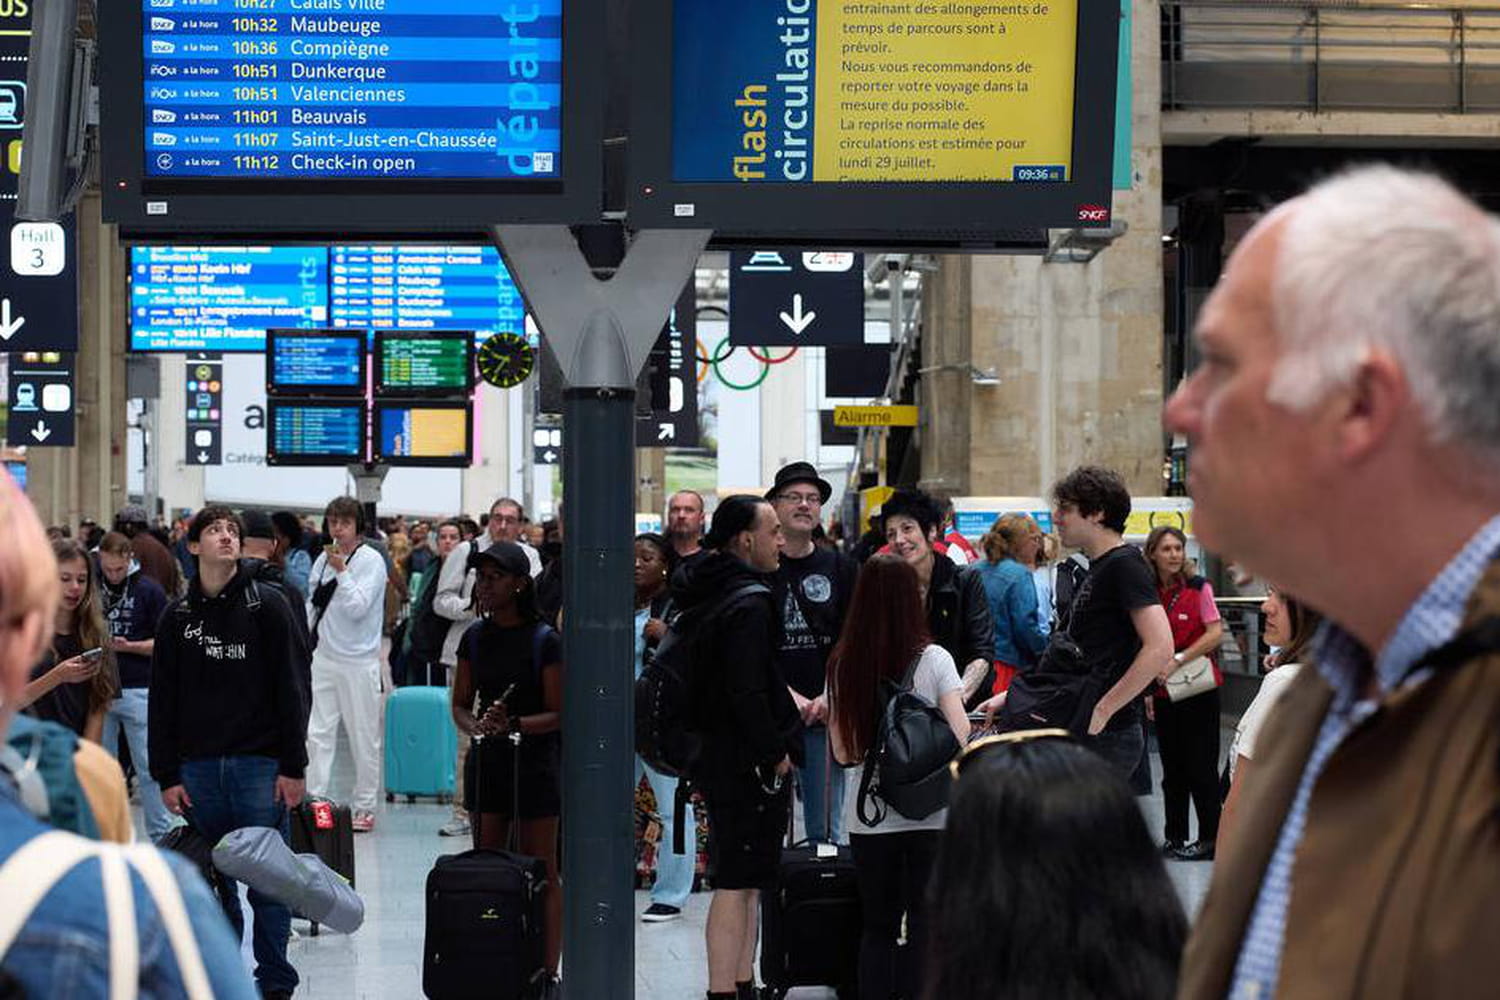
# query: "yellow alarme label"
x,y
875,416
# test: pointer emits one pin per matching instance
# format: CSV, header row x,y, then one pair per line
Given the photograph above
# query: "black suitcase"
x,y
810,922
485,926
326,829
486,933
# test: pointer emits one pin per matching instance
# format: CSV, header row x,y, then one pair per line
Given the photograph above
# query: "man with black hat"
x,y
156,561
811,591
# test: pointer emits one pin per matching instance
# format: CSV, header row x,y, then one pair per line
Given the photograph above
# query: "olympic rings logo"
x,y
724,351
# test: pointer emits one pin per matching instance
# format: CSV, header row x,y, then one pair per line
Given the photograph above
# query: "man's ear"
x,y
192,548
1370,406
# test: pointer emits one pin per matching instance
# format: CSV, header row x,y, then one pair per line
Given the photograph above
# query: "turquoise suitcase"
x,y
421,744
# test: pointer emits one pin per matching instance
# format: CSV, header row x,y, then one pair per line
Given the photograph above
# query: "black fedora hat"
x,y
800,472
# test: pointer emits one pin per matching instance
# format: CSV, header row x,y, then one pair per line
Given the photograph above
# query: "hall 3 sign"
x,y
40,395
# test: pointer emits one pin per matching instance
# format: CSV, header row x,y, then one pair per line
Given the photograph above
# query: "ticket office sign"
x,y
856,116
415,96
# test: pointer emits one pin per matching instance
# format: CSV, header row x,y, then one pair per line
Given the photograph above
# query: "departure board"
x,y
424,288
309,433
424,364
315,363
433,434
223,298
381,89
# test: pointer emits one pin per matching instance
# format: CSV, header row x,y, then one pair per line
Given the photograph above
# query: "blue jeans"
x,y
1122,748
820,785
228,793
127,713
674,872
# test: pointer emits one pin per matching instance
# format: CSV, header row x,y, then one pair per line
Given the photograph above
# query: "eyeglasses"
x,y
1014,738
811,499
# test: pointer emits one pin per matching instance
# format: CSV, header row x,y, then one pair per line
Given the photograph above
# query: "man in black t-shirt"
x,y
811,591
1117,618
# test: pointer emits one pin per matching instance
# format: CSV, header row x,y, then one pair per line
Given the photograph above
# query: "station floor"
x,y
383,960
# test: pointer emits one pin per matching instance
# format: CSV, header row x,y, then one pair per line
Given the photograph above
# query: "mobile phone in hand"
x,y
91,654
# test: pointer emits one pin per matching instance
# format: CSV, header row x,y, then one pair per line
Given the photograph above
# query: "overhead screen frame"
x,y
278,391
982,215
377,365
382,406
274,408
373,210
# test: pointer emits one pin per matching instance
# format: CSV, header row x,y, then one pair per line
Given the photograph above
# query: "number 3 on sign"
x,y
37,249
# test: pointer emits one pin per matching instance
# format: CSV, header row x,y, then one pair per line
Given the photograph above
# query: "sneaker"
x,y
1172,848
454,828
658,913
362,822
1196,851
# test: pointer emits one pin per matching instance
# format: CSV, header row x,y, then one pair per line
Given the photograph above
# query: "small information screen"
x,y
426,364
417,287
433,434
223,298
315,363
339,89
315,433
848,90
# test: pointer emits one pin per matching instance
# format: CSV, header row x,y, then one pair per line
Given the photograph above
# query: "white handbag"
x,y
42,862
1194,677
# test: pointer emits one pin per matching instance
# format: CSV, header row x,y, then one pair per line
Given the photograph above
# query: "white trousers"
x,y
349,692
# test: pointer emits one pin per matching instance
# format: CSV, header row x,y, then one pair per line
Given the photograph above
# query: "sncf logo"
x,y
1093,213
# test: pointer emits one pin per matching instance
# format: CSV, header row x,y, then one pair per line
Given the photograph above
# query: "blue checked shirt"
x,y
1345,664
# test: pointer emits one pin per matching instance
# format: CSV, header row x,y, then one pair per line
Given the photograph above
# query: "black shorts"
x,y
746,830
541,779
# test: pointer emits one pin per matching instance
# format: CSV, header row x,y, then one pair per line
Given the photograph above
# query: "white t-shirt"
x,y
935,676
1248,731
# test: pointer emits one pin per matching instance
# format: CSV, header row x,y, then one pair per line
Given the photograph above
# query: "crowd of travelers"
x,y
964,722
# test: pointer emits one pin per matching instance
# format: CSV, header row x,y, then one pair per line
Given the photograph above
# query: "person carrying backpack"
x,y
228,718
885,644
749,727
60,918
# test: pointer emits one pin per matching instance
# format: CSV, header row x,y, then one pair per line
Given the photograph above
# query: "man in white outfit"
x,y
454,601
345,609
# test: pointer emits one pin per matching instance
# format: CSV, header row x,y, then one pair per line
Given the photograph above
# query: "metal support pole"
x,y
601,332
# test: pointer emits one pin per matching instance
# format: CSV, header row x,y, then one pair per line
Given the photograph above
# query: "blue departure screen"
x,y
387,89
226,298
423,288
223,298
318,431
311,363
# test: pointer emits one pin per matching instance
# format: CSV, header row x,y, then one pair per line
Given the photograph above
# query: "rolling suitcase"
x,y
324,828
810,921
486,917
421,744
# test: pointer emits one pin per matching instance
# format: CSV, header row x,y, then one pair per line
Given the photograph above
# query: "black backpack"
x,y
666,693
907,767
1052,694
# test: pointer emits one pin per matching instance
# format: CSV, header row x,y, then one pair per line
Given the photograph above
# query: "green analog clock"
x,y
506,360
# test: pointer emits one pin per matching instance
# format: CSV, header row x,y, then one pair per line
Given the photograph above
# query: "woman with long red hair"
x,y
885,638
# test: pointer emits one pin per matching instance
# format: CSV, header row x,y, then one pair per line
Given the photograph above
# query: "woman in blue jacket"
x,y
1010,547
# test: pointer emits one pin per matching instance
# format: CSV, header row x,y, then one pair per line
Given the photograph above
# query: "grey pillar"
x,y
600,332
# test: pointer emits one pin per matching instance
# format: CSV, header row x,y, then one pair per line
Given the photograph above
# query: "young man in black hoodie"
x,y
228,717
750,727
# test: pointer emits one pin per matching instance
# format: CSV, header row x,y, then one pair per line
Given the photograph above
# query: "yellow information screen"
x,y
852,90
418,431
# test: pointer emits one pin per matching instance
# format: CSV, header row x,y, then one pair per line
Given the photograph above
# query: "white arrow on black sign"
x,y
798,320
666,432
202,458
549,456
9,326
41,431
